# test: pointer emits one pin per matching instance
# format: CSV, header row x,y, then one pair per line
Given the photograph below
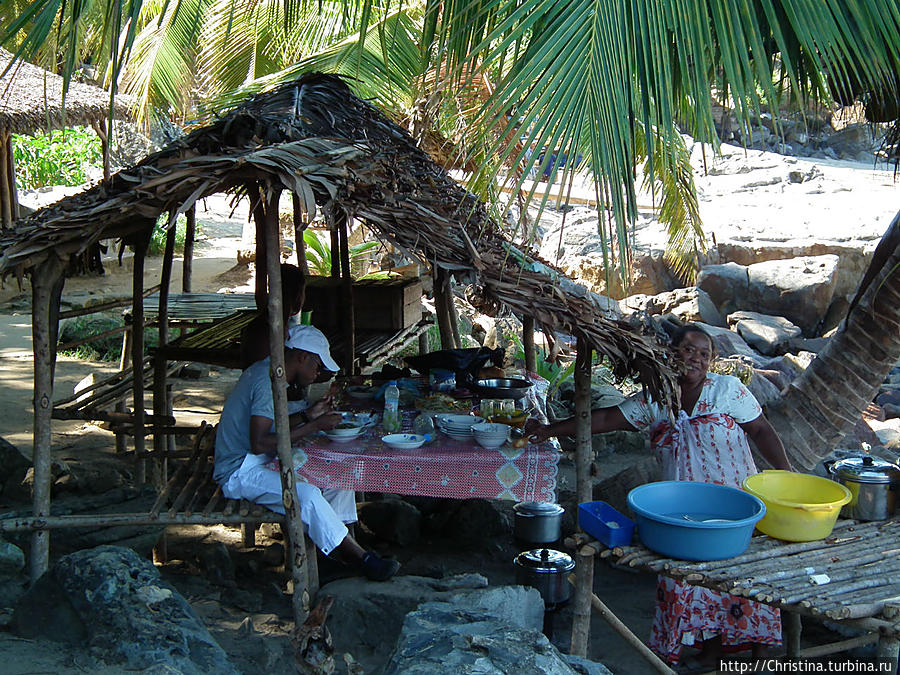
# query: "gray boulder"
x,y
688,304
115,602
799,289
467,635
770,335
393,520
12,560
729,343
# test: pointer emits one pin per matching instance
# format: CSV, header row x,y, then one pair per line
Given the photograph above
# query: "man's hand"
x,y
326,405
326,421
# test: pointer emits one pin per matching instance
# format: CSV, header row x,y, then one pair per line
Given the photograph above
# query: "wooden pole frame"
x,y
581,621
137,355
299,229
187,263
160,398
44,280
300,599
528,344
342,223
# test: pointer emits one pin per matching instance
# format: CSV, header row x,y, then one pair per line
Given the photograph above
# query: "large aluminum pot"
x,y
537,522
873,485
547,571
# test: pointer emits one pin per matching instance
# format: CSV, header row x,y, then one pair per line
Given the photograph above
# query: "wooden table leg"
x,y
792,627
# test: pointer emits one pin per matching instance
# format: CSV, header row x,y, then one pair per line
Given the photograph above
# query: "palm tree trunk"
x,y
826,401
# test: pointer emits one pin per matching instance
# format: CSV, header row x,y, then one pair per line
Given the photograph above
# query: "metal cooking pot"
x,y
873,485
503,387
537,522
547,571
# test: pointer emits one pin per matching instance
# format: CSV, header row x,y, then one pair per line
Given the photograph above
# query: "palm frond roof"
x,y
339,154
31,99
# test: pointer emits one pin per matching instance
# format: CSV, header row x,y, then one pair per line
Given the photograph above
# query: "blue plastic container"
x,y
605,524
695,521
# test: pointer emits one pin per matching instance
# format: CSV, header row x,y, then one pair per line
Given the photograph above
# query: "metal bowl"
x,y
504,387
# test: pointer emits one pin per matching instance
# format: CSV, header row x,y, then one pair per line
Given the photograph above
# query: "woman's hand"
x,y
537,432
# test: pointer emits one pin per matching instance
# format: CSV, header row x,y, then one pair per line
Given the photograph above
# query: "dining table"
x,y
444,467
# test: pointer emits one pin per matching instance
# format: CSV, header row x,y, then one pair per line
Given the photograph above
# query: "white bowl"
x,y
341,435
489,430
490,442
404,441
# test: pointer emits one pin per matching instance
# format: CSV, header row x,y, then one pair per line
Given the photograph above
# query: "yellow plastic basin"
x,y
799,506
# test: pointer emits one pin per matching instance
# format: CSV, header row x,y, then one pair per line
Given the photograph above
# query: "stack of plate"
x,y
458,427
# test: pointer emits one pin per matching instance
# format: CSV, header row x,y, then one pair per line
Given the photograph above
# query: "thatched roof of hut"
x,y
31,99
338,153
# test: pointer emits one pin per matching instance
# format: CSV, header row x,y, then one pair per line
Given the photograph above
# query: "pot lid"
x,y
545,560
538,509
867,469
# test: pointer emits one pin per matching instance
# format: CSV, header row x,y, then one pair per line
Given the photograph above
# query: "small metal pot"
x,y
873,484
547,571
537,522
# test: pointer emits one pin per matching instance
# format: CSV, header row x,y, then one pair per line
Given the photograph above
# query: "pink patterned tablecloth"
x,y
443,468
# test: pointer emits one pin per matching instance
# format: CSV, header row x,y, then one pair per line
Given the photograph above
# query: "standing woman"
x,y
706,443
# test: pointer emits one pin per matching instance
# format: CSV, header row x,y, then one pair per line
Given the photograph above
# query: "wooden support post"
x,y
887,648
248,535
442,301
791,627
581,606
300,225
259,218
124,361
583,449
6,194
528,344
187,264
43,280
99,127
160,400
616,624
137,359
349,322
335,248
423,337
301,598
584,577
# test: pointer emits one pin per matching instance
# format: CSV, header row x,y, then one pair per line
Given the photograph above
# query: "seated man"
x,y
246,441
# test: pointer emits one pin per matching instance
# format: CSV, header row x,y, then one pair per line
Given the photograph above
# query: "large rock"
x,y
367,616
770,335
799,289
688,304
15,467
116,603
729,343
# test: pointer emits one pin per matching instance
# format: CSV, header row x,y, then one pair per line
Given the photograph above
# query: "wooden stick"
x,y
581,615
43,523
835,647
658,664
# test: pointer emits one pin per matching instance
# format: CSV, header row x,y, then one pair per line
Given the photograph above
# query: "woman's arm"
x,y
602,420
768,442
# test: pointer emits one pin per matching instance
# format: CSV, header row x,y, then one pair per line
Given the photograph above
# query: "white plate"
x,y
404,441
461,421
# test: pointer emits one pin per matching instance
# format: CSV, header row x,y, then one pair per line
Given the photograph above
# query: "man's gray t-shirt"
x,y
252,395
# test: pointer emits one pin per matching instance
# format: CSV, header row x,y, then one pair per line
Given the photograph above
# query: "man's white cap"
x,y
311,339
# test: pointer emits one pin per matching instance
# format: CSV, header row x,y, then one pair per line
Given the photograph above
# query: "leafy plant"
x,y
56,158
319,257
107,348
157,244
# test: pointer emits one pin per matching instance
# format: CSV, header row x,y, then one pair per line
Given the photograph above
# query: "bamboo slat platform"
x,y
200,307
860,559
98,401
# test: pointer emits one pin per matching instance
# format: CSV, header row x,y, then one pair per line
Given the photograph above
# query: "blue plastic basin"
x,y
660,510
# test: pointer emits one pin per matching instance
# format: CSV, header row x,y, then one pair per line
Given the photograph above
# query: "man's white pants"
x,y
324,512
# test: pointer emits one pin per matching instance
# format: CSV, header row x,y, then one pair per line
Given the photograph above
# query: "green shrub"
x,y
157,244
102,349
56,158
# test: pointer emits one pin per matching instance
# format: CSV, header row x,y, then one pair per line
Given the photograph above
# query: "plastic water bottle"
x,y
391,421
424,425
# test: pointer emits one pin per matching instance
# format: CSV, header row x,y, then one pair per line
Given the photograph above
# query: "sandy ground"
x,y
842,202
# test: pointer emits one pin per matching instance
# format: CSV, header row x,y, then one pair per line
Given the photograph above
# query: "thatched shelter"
x,y
339,156
31,99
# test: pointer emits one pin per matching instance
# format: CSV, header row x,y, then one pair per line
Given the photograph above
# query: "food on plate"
x,y
442,403
347,425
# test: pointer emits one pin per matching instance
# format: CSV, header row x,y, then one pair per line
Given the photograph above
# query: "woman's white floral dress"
x,y
707,446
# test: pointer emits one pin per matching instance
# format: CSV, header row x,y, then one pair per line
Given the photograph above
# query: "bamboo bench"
x,y
190,497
